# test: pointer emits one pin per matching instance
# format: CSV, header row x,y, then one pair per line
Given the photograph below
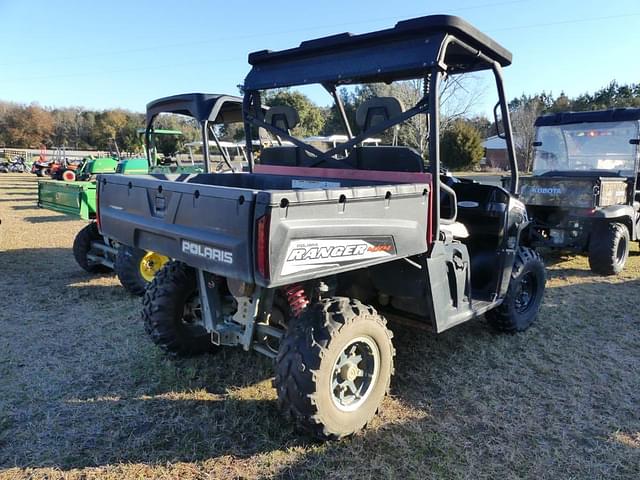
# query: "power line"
x,y
248,36
565,22
197,62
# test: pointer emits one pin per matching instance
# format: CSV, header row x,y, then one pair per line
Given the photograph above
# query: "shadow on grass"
x,y
26,207
554,257
571,272
21,199
534,404
52,218
55,268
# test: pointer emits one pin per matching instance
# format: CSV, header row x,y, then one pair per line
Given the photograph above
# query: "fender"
x,y
625,213
615,211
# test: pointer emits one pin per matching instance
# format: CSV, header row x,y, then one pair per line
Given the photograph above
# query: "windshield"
x,y
586,146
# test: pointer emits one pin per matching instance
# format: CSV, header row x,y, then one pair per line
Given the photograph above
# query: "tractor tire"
x,y
334,367
609,248
521,304
169,310
136,268
68,176
82,247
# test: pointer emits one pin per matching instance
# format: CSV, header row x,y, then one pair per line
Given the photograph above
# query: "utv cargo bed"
x,y
73,198
270,229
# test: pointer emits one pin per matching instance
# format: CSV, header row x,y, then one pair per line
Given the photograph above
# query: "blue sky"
x,y
122,54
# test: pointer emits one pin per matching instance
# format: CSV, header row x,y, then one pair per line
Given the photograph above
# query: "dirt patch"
x,y
84,394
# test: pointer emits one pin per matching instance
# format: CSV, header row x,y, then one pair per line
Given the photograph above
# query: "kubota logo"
x,y
215,254
546,190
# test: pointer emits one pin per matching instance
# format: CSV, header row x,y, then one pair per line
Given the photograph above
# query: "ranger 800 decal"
x,y
310,254
211,253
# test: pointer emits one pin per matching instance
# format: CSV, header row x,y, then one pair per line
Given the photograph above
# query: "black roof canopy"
x,y
610,115
402,52
213,107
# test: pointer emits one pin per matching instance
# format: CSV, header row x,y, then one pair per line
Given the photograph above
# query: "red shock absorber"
x,y
297,298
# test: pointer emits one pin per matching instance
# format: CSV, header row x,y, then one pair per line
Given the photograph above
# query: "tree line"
x,y
34,126
31,126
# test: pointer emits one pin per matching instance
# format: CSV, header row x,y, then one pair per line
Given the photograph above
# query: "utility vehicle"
x,y
303,258
96,253
584,195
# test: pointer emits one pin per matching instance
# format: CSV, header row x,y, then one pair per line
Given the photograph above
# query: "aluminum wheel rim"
x,y
355,373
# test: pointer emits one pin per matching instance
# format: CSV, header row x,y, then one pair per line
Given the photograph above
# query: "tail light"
x,y
262,245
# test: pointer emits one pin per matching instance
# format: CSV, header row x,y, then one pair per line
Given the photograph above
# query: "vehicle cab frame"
x,y
206,109
433,48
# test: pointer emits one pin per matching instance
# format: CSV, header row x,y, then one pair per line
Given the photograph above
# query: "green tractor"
x,y
97,253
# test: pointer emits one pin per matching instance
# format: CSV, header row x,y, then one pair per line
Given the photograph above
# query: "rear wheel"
x,y
524,296
172,314
82,248
136,268
334,367
609,248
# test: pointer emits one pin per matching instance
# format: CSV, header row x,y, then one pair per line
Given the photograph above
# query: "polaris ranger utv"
x,y
305,257
584,195
135,267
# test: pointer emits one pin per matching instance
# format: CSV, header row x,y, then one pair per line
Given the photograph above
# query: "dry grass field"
x,y
84,393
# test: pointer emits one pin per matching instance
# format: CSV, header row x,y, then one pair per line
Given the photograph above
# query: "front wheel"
x,y
521,304
609,248
334,367
136,268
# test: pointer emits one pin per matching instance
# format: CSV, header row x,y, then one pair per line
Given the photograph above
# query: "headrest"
x,y
282,117
377,110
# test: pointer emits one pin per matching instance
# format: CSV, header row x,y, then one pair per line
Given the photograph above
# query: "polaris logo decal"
x,y
312,254
546,190
210,253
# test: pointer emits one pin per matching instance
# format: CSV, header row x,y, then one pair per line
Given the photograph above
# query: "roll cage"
x,y
206,108
426,48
